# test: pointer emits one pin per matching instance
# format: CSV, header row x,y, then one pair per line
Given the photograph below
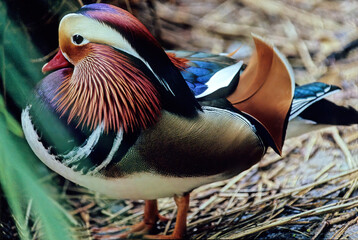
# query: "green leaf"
x,y
20,183
11,123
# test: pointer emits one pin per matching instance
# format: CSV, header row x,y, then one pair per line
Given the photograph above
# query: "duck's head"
x,y
120,75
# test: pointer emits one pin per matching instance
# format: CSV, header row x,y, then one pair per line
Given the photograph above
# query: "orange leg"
x,y
151,216
182,203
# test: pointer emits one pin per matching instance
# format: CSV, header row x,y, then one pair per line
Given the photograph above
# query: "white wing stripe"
x,y
221,79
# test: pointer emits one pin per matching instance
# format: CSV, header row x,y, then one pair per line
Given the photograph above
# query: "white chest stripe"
x,y
117,142
78,153
221,79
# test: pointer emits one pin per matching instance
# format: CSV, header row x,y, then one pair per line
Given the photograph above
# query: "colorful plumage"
x,y
117,116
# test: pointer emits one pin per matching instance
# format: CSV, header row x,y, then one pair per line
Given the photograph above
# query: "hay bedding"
x,y
309,192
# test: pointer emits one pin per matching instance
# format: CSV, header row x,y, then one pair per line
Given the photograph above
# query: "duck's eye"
x,y
77,39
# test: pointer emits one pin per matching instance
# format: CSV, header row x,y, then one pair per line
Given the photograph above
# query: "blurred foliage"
x,y
21,50
19,179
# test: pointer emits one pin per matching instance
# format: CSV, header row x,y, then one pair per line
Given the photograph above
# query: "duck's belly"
x,y
175,156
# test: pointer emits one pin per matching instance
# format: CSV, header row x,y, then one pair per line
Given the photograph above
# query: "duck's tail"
x,y
311,112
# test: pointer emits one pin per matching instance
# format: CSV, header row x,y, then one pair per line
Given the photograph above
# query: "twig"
x,y
341,231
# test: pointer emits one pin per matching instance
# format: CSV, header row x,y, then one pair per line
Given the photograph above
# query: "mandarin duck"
x,y
119,115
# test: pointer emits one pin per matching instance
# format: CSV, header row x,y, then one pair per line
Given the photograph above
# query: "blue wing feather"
x,y
202,66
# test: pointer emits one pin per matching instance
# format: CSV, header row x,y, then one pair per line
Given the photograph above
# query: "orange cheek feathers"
x,y
77,53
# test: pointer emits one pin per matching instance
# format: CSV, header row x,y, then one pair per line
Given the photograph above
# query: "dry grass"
x,y
309,192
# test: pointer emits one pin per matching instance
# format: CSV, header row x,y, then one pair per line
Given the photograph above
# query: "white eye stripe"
x,y
74,23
